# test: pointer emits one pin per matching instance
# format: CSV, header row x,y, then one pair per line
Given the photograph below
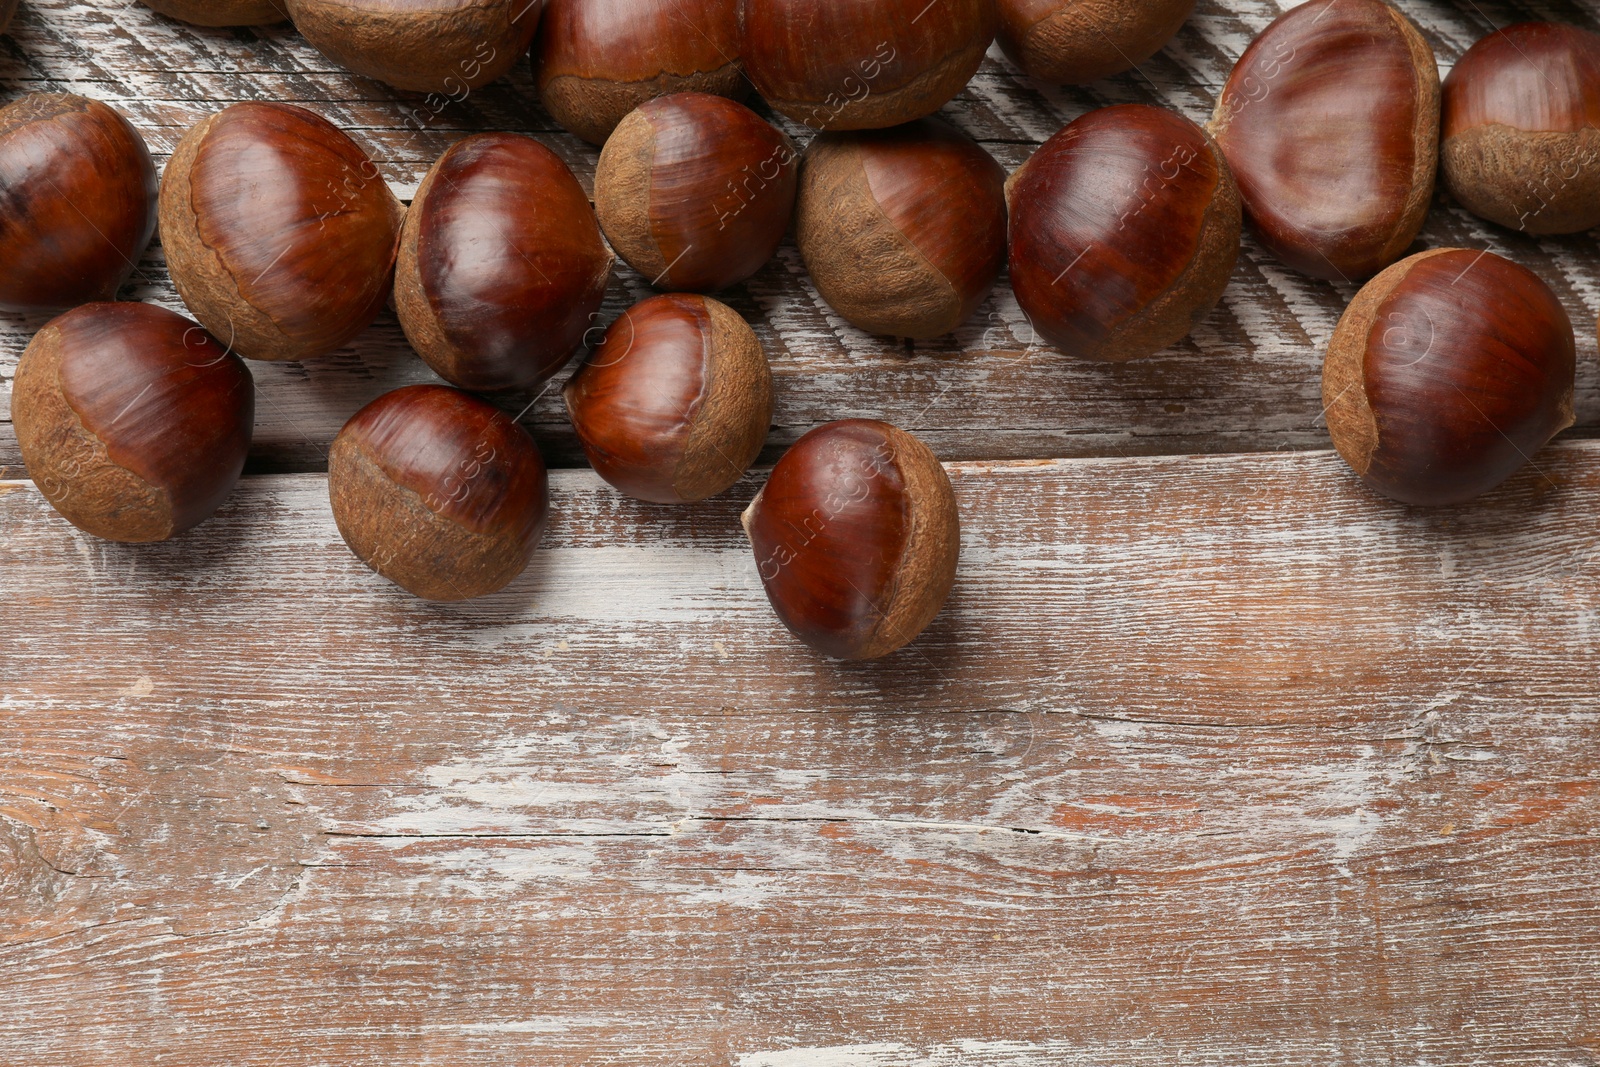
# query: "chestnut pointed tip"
x,y
747,517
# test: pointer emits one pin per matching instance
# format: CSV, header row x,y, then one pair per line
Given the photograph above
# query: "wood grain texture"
x,y
1208,761
1247,380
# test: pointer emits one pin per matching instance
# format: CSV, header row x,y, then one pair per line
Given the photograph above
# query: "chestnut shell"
x,y
600,59
854,65
1330,121
1446,373
221,12
501,268
902,230
1075,42
77,202
132,420
696,191
856,536
438,491
675,403
1125,229
280,233
448,47
8,8
1521,128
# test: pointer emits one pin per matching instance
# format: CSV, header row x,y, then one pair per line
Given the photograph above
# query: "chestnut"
x,y
438,491
77,202
280,233
501,265
696,191
849,65
674,404
600,59
1075,42
8,8
221,12
430,46
856,536
1125,227
132,420
1330,121
902,230
1446,373
1520,143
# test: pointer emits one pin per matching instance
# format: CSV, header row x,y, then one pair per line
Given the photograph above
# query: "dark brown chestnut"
x,y
1075,42
696,191
856,537
221,12
279,231
1447,372
501,266
1330,122
1521,128
1124,231
675,403
8,8
77,202
902,230
849,65
430,46
438,491
132,420
600,59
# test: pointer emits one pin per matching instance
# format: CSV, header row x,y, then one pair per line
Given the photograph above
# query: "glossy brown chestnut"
x,y
849,65
856,537
1124,232
903,230
133,421
279,231
675,403
77,202
600,59
501,266
1521,128
1446,373
221,12
696,191
1075,42
448,47
438,491
1330,122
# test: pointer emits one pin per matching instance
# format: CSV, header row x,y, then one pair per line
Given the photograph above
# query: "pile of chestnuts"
x,y
1120,235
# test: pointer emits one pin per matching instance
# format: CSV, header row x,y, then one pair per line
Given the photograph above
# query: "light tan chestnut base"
x,y
733,415
70,465
592,108
622,194
222,12
1539,183
1087,40
439,46
876,278
920,97
393,531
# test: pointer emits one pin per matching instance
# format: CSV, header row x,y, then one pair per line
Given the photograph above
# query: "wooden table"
x,y
1213,758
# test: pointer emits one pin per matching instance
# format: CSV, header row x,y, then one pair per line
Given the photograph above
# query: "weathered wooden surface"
x,y
1208,761
1247,381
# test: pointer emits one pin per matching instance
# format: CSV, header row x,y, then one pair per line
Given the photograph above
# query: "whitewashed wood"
x,y
1247,381
1209,760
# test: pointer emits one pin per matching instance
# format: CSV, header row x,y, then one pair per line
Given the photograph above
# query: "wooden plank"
x,y
1247,381
1208,761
